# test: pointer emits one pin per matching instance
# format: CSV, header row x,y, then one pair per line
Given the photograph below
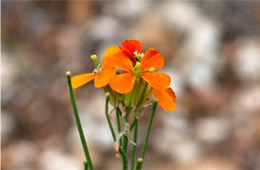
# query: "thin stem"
x,y
118,114
78,122
133,123
142,95
123,156
139,163
124,159
85,165
108,118
134,146
125,137
125,144
147,135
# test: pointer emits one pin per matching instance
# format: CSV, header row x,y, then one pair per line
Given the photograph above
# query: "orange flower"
x,y
124,83
101,76
167,99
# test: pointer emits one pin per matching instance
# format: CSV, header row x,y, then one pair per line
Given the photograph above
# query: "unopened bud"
x,y
137,64
94,59
68,73
107,93
155,99
137,69
140,160
151,69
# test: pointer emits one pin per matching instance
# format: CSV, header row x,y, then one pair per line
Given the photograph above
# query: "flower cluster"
x,y
130,76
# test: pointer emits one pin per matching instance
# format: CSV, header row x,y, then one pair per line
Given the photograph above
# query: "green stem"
x,y
133,123
118,118
123,156
118,115
78,122
85,165
125,137
108,118
139,163
134,146
142,95
124,159
147,135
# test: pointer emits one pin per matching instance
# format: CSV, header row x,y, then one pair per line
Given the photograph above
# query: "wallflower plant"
x,y
131,83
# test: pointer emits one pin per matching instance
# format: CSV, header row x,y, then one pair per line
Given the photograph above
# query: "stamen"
x,y
138,56
95,71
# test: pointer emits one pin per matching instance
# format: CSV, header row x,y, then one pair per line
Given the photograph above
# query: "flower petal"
x,y
79,80
166,98
172,94
131,46
152,58
123,83
115,57
158,81
110,52
103,78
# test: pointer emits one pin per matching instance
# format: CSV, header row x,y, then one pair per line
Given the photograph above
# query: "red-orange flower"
x,y
130,47
133,66
152,60
124,83
127,49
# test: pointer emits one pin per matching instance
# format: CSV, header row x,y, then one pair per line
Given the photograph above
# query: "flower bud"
x,y
94,59
151,70
137,65
140,160
68,73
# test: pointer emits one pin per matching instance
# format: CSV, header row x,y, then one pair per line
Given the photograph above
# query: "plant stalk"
x,y
78,122
147,135
118,115
134,146
125,137
123,156
108,118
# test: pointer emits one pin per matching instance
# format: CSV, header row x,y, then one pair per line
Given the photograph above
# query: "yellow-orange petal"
x,y
158,81
167,99
152,58
103,78
79,80
123,83
115,57
110,52
131,46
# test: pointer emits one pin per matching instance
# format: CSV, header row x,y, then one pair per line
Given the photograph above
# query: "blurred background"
x,y
212,52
